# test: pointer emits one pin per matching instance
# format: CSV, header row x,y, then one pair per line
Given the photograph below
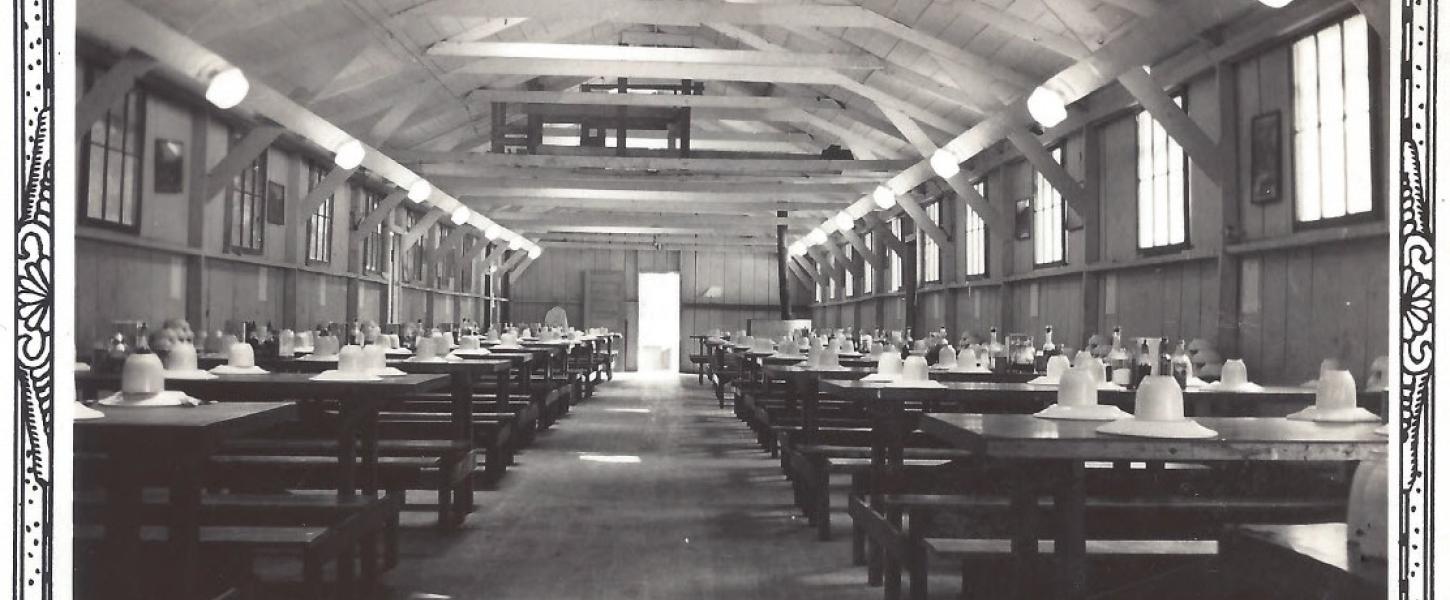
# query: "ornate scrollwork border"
x,y
34,242
1418,32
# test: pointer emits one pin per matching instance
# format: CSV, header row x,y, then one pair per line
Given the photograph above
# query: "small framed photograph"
x,y
276,203
169,166
1265,158
1024,219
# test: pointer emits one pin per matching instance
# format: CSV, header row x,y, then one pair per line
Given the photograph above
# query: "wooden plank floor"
x,y
703,514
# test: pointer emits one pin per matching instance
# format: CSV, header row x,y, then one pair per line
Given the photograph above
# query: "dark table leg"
x,y
1070,551
893,481
1024,531
350,420
184,538
123,526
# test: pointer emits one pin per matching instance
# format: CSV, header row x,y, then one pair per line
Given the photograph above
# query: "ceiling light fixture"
x,y
349,154
1047,107
883,197
460,215
945,163
420,191
227,88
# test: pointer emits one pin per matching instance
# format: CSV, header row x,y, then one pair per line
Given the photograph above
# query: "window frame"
x,y
1187,164
138,97
970,218
894,261
1039,182
868,273
236,189
1376,130
325,211
371,259
924,242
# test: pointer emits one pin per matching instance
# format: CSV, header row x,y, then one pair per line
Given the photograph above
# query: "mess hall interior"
x,y
666,299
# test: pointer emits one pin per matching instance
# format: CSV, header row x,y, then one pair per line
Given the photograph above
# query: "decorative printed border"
x,y
1418,30
33,40
34,102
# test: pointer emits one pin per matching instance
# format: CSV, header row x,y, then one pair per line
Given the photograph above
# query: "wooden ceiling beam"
x,y
746,166
856,268
415,233
1200,147
242,154
486,96
381,212
690,13
1019,28
808,269
862,249
662,69
643,54
476,192
1072,190
504,186
110,88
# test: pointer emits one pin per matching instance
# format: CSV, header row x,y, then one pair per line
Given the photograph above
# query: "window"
x,y
110,164
976,237
248,199
1049,231
1162,187
928,252
413,257
319,225
819,297
896,258
850,253
364,203
868,279
1332,159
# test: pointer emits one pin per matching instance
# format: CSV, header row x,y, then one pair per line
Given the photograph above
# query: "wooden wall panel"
x,y
121,283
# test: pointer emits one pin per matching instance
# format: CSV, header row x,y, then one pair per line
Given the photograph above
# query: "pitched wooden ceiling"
x,y
890,80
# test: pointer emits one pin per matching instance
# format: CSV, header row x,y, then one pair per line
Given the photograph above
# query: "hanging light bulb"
x,y
420,190
460,215
535,251
492,231
944,163
844,221
227,88
1275,3
1047,107
349,154
883,197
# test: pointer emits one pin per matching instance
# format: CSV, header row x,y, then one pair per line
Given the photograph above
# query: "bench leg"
x,y
368,554
858,533
312,575
445,503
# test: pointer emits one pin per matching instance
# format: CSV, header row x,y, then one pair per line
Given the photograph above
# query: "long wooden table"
x,y
1298,562
1054,451
177,441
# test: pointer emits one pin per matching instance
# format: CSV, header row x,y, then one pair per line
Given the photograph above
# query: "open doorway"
x,y
659,322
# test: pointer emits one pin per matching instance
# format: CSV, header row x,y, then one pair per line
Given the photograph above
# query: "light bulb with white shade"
x,y
883,197
420,191
535,251
844,221
1275,3
460,215
944,163
227,88
349,154
1047,107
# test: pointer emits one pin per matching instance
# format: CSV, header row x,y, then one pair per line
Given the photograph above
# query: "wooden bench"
x,y
353,533
811,467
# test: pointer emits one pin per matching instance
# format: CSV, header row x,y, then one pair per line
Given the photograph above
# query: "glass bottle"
x,y
1120,364
1182,364
1165,358
997,352
1144,366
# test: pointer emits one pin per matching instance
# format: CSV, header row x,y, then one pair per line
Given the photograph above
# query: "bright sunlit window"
x,y
1162,187
976,237
895,264
1049,231
1332,158
850,253
929,253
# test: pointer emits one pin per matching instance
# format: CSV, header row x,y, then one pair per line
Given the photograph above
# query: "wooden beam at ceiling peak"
x,y
742,166
487,96
689,13
654,69
505,186
643,54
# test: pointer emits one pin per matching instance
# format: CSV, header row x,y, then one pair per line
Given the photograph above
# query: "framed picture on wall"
x,y
167,171
276,203
1265,169
1024,219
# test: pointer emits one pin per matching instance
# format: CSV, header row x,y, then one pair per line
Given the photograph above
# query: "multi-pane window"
x,y
319,225
895,264
975,237
928,252
248,211
413,256
850,275
1162,186
364,203
1049,230
1332,158
110,164
868,274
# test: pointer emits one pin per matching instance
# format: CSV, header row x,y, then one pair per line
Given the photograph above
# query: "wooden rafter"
x,y
745,166
862,249
384,208
703,56
242,154
109,89
420,228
